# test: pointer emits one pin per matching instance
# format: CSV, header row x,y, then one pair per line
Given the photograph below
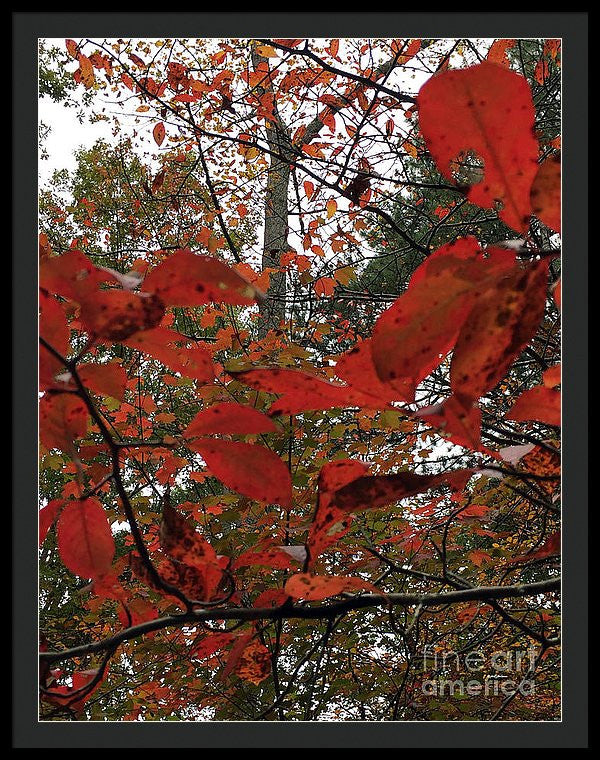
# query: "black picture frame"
x,y
572,730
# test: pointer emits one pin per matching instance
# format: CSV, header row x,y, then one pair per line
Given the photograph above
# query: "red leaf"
x,y
331,523
373,491
72,275
272,597
108,379
190,580
313,588
336,475
270,557
137,611
158,181
550,548
545,192
180,540
189,279
413,335
459,424
47,515
498,328
231,419
53,328
159,343
251,470
210,644
114,313
487,109
540,404
356,368
63,418
117,314
74,696
85,541
301,391
159,133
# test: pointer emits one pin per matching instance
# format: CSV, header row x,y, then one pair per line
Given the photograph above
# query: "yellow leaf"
x,y
267,51
252,153
344,275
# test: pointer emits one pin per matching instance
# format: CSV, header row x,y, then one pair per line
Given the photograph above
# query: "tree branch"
x,y
324,611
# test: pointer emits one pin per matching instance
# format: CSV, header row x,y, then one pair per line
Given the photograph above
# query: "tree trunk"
x,y
275,240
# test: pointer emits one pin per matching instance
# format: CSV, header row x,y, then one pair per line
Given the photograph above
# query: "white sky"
x,y
66,135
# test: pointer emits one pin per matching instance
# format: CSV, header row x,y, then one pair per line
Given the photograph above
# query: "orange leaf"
x,y
324,286
497,51
159,133
254,664
86,71
249,659
72,48
313,588
479,557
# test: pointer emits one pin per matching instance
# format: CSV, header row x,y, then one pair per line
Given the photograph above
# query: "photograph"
x,y
298,381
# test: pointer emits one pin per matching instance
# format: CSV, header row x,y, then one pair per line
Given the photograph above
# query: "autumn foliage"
x,y
261,478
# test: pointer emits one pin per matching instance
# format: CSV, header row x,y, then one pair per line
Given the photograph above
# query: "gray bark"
x,y
275,240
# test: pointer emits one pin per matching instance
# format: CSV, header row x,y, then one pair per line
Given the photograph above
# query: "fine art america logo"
x,y
501,673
